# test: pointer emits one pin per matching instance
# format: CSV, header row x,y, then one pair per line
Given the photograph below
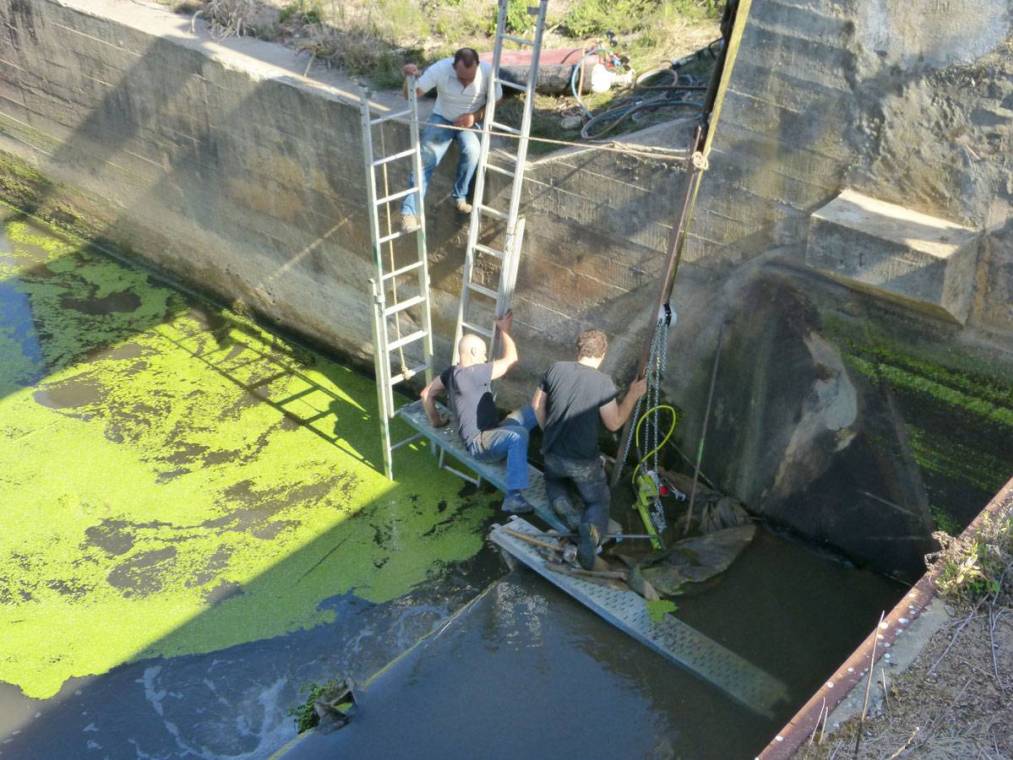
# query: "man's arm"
x,y
509,358
468,120
614,415
538,403
429,394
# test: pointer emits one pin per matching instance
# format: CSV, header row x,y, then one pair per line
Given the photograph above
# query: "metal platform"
x,y
669,636
449,442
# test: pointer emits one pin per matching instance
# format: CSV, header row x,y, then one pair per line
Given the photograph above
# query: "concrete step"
x,y
896,252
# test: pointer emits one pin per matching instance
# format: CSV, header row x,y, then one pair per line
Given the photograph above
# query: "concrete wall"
x,y
218,162
910,103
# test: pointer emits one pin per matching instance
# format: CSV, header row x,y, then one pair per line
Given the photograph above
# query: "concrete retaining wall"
x,y
218,162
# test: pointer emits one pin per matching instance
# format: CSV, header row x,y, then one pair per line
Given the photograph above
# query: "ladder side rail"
x,y
478,198
513,237
381,354
509,279
382,370
420,235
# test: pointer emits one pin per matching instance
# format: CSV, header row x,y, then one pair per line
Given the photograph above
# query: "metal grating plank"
x,y
669,637
447,439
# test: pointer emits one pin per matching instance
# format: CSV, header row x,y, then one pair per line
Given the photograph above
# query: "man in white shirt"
x,y
462,84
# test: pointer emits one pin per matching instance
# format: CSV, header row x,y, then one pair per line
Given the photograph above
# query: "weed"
x,y
305,715
974,567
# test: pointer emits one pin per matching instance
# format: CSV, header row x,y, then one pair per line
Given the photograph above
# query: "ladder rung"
x,y
415,301
475,328
388,117
417,335
519,40
403,270
505,128
392,236
494,213
498,170
395,157
489,251
512,85
395,196
411,373
406,441
487,292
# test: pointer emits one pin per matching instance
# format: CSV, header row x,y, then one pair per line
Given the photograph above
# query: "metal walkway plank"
x,y
669,636
447,439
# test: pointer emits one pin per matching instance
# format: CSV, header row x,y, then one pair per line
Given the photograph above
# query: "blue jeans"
x,y
588,477
508,440
435,140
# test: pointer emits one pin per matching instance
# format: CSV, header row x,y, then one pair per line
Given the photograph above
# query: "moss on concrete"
x,y
181,484
957,406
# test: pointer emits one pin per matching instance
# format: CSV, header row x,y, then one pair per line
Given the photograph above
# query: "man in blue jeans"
x,y
468,389
570,402
462,84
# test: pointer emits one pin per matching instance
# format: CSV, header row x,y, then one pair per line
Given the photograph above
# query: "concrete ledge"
x,y
905,254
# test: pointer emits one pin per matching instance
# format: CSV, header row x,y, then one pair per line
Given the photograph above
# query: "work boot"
x,y
409,223
463,207
516,504
587,546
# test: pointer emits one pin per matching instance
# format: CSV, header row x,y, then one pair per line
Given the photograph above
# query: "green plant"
x,y
518,20
303,11
304,714
972,568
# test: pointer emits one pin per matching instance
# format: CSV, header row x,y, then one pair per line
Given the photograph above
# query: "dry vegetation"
x,y
373,37
956,700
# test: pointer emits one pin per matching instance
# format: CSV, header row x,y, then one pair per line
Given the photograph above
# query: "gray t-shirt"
x,y
575,393
469,390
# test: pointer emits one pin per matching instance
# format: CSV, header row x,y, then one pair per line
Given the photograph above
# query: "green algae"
x,y
180,487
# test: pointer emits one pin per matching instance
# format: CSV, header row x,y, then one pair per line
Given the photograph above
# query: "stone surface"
x,y
914,256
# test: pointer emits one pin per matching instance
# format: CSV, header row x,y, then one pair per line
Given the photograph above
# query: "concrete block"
x,y
908,255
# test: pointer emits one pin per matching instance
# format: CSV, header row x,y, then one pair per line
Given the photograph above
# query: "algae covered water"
x,y
196,528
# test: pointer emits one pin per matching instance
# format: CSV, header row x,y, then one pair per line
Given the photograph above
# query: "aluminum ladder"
x,y
390,310
479,256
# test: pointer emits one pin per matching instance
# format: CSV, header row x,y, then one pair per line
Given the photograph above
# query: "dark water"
x,y
524,673
529,673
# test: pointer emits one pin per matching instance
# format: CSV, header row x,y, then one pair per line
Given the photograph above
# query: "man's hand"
x,y
410,70
439,420
465,120
506,322
637,388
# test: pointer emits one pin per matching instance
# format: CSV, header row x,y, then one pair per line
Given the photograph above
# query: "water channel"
x,y
195,529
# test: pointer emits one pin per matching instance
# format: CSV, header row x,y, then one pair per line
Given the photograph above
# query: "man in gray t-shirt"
x,y
486,438
570,402
462,86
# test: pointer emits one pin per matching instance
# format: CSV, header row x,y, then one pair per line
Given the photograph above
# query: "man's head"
x,y
471,350
466,65
591,347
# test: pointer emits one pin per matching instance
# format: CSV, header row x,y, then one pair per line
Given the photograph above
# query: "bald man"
x,y
487,439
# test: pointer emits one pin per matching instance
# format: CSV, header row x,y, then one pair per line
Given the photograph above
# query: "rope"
x,y
641,151
653,440
655,371
390,247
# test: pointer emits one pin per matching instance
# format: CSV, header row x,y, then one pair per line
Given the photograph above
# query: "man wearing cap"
x,y
462,84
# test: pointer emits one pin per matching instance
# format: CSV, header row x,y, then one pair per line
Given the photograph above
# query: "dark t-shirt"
x,y
470,395
575,393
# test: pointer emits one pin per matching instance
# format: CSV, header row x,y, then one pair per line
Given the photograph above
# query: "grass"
x,y
372,39
973,568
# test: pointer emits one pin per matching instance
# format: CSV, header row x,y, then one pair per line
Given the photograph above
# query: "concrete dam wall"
x,y
863,394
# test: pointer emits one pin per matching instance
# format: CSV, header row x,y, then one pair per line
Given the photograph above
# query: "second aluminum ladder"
x,y
480,257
